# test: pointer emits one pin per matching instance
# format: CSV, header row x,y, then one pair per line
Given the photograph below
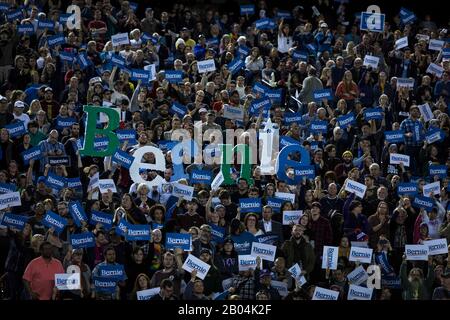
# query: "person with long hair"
x,y
347,89
141,283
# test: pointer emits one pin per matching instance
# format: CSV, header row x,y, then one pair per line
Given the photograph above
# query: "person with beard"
x,y
40,273
344,168
298,250
163,117
70,146
415,286
203,241
226,260
242,191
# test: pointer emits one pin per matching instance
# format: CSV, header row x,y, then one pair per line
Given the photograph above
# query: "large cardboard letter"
x,y
227,160
159,165
283,163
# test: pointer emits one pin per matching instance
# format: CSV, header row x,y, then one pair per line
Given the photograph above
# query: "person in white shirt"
x,y
284,38
18,113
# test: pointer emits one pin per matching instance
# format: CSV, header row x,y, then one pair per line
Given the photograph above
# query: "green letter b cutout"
x,y
92,131
227,159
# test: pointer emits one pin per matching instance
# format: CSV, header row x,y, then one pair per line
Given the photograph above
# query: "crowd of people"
x,y
119,55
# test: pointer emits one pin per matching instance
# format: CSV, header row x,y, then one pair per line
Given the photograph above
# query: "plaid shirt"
x,y
321,234
416,127
246,286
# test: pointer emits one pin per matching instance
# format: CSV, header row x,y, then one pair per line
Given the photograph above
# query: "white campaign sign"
x,y
401,43
285,196
325,294
357,188
330,257
437,246
397,158
107,184
357,276
193,262
265,251
218,180
68,281
432,189
246,262
425,111
416,252
206,66
435,69
182,191
119,39
281,287
436,45
359,293
371,61
360,254
11,199
147,294
233,113
292,217
227,283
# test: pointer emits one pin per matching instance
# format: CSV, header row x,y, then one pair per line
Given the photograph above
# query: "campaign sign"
x,y
122,158
292,117
182,191
291,217
263,24
307,171
138,232
275,203
250,205
14,221
77,212
319,95
236,65
147,294
117,60
65,122
260,88
363,255
258,104
330,257
396,136
74,183
45,24
346,120
104,285
243,50
359,293
300,55
407,188
247,9
59,161
26,28
416,252
401,43
357,276
106,184
281,286
82,240
423,202
288,141
286,196
122,228
274,95
105,219
265,251
391,282
425,111
16,129
178,240
138,74
431,189
436,45
178,109
56,40
371,61
201,176
119,39
246,262
114,272
437,170
397,158
217,233
4,6
31,154
233,113
372,21
434,135
66,56
319,126
53,220
7,188
357,188
373,114
174,76
435,69
193,263
14,15
68,281
296,271
437,246
206,66
10,200
407,16
405,83
55,182
445,54
324,294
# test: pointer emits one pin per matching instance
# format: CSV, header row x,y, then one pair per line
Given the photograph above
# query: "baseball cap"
x,y
206,227
202,110
323,25
316,204
205,250
219,206
228,240
48,89
77,251
19,104
265,273
41,179
184,29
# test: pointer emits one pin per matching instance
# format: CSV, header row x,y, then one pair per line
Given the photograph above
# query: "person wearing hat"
x,y
210,124
414,133
212,280
200,48
264,284
323,38
203,241
226,260
74,260
185,34
18,113
355,222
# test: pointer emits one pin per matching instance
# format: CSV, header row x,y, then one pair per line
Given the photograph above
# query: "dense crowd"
x,y
370,111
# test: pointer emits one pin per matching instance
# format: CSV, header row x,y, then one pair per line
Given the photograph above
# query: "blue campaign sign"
x,y
236,65
7,188
243,243
275,203
117,60
166,145
178,240
83,60
307,171
258,104
265,24
62,123
14,221
201,176
77,212
396,136
292,117
247,9
217,233
133,6
16,129
288,141
318,126
14,15
260,88
105,219
423,202
434,135
446,53
55,182
4,6
64,17
52,220
82,240
138,232
179,109
243,51
114,272
274,94
407,16
139,74
26,28
319,95
250,205
438,170
46,24
407,188
66,56
122,158
174,76
346,120
372,21
212,42
267,238
129,135
74,183
391,282
122,228
32,153
300,55
373,114
104,285
56,40
284,14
